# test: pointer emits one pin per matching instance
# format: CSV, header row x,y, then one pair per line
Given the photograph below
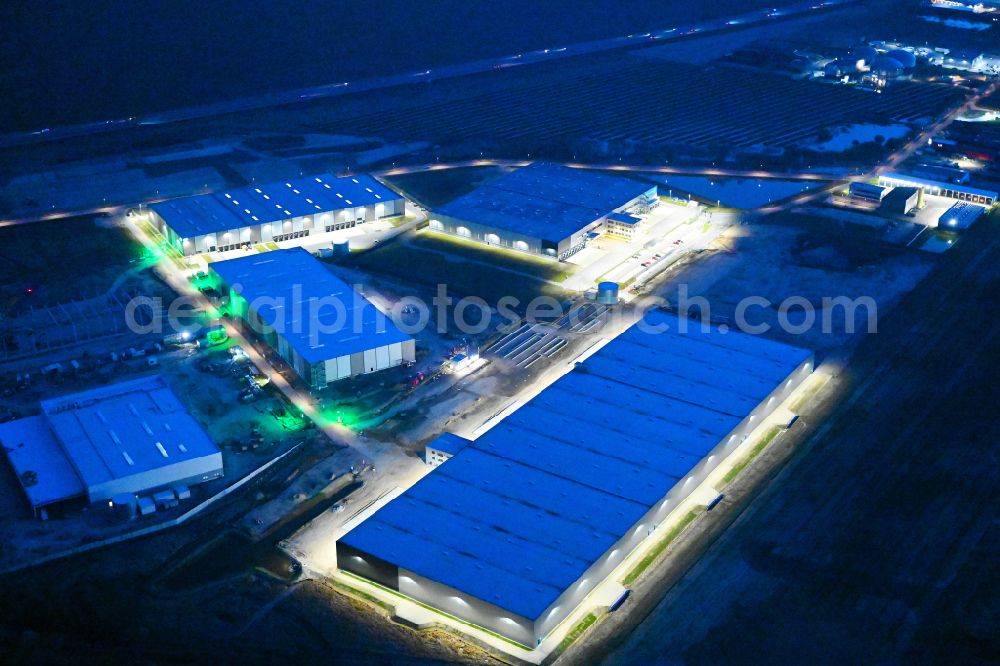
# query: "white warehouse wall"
x,y
601,569
195,470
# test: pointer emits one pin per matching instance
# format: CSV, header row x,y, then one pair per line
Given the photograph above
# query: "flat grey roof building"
x,y
940,188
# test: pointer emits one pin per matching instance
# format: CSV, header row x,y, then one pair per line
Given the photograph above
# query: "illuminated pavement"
x,y
392,466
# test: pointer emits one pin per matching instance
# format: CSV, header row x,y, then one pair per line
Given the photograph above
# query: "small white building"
x,y
623,225
444,447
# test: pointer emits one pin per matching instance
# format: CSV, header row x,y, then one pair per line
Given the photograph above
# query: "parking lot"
x,y
618,259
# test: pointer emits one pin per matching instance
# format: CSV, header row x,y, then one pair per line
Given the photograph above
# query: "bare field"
x,y
877,542
808,259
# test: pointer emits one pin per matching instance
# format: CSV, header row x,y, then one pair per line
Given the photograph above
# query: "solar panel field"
x,y
648,102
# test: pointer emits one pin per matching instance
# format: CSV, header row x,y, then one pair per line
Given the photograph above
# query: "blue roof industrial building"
x,y
273,212
514,530
134,437
541,208
317,322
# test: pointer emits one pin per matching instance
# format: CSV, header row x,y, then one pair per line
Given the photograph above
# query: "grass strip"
x,y
573,635
656,550
754,452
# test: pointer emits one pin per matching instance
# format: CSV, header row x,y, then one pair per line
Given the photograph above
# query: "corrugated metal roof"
x,y
260,204
319,315
545,200
520,513
960,216
124,429
32,447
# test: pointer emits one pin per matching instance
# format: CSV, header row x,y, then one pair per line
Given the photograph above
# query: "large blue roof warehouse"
x,y
514,530
273,211
317,322
542,208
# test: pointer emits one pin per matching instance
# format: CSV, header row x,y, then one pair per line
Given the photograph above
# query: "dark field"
x,y
878,542
98,60
62,260
435,188
468,269
648,101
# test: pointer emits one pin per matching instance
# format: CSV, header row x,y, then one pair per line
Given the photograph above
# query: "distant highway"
x,y
442,166
616,166
450,71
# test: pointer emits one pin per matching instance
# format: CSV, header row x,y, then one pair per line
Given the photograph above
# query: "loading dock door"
x,y
395,353
382,358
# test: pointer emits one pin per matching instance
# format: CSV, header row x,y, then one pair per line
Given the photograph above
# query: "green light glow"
x,y
340,415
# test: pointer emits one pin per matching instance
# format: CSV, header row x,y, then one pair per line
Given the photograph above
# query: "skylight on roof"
x,y
257,190
296,191
348,202
228,195
340,195
368,189
355,180
287,213
309,201
326,185
318,180
267,197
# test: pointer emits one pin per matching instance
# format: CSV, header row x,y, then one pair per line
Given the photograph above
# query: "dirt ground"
x,y
105,608
877,542
807,259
